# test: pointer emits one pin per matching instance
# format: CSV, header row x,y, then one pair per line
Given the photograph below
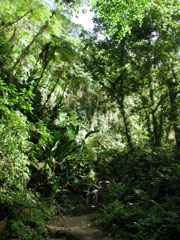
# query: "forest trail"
x,y
75,228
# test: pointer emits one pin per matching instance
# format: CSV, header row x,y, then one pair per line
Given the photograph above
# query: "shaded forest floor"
x,y
75,220
144,204
75,227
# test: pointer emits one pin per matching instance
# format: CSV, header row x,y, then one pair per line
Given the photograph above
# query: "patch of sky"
x,y
51,4
83,17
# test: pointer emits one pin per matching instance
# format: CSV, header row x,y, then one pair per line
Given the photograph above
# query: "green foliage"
x,y
78,110
133,72
21,231
119,16
31,222
135,222
14,172
142,203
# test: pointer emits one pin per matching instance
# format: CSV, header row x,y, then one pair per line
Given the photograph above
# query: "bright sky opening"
x,y
84,17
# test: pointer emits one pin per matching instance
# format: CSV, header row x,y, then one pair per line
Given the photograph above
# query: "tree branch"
x,y
26,49
10,24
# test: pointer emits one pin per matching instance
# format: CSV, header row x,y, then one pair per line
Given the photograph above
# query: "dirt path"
x,y
75,228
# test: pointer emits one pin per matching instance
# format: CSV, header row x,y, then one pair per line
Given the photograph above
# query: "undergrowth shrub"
x,y
20,207
30,223
14,171
144,197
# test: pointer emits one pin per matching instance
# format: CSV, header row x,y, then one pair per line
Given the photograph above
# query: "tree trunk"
x,y
156,121
126,124
174,112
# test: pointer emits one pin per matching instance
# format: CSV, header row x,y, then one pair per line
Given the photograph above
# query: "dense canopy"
x,y
89,120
